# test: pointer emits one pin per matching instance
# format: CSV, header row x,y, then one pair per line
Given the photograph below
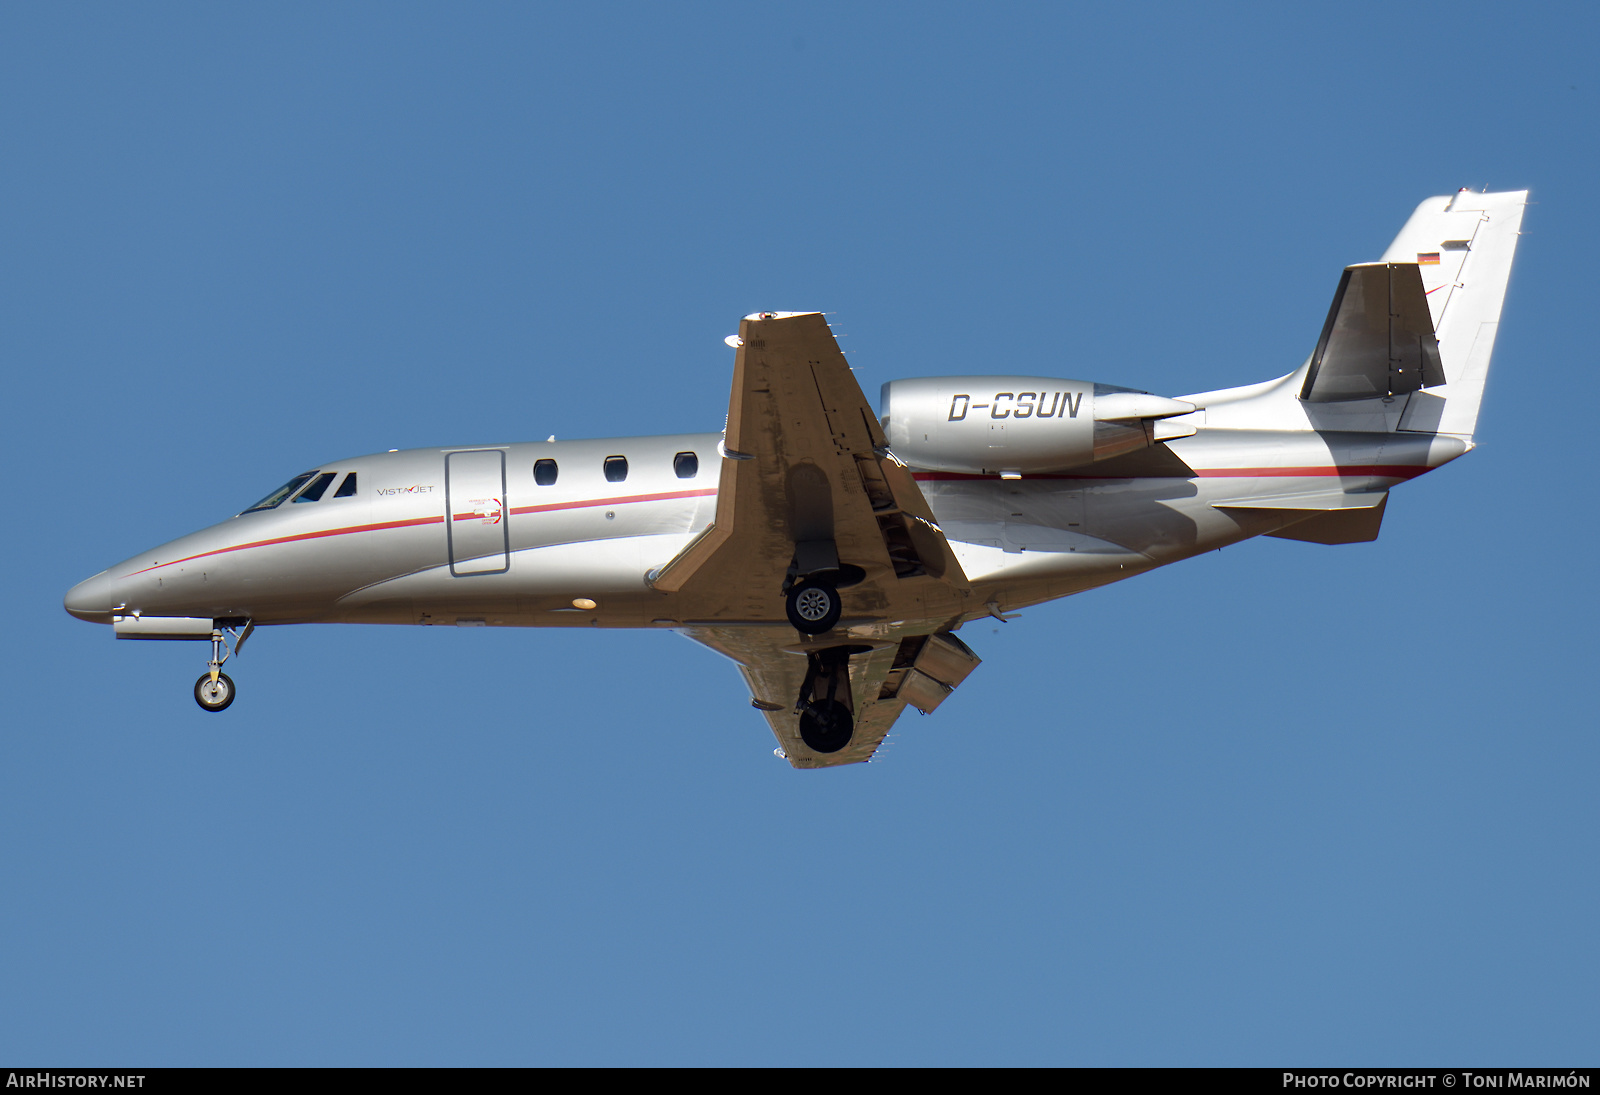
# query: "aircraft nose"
x,y
90,599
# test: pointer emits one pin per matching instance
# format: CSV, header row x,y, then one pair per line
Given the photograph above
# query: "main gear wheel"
x,y
813,607
827,726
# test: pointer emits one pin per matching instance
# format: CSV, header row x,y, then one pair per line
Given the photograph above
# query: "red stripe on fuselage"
x,y
621,501
301,536
429,521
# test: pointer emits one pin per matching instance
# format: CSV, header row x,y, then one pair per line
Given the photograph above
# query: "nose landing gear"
x,y
215,690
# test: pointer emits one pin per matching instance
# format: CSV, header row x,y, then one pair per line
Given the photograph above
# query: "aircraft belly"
x,y
1033,529
1075,532
537,590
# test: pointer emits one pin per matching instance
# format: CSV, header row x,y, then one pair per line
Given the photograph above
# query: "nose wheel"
x,y
214,694
214,691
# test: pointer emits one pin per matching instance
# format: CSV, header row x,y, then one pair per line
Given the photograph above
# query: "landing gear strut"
x,y
826,721
214,691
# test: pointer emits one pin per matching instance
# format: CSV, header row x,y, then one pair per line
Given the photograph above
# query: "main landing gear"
x,y
215,690
825,708
827,726
827,721
813,606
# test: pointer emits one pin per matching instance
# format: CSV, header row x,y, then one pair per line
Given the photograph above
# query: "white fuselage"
x,y
429,536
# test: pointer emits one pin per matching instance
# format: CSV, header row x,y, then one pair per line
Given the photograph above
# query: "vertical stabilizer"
x,y
1463,246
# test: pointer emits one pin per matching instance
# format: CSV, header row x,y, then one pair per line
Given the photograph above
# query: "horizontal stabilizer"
x,y
1379,338
1318,501
1327,516
1340,526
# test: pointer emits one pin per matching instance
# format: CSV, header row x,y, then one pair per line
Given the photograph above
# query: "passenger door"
x,y
475,512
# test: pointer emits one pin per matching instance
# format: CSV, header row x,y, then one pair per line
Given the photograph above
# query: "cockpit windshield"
x,y
274,499
315,491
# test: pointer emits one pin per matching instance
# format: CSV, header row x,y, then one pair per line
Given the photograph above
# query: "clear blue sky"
x,y
1282,803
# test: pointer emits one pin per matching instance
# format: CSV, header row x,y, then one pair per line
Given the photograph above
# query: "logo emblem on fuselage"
x,y
490,509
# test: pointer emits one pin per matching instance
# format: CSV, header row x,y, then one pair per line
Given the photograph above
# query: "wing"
x,y
808,487
807,481
916,671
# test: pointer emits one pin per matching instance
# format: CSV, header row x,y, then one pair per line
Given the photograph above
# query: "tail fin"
x,y
1461,246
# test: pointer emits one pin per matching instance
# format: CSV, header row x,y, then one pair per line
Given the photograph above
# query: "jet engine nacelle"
x,y
1017,425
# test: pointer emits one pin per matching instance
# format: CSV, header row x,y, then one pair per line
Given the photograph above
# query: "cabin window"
x,y
545,472
316,490
616,469
347,489
686,464
272,500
